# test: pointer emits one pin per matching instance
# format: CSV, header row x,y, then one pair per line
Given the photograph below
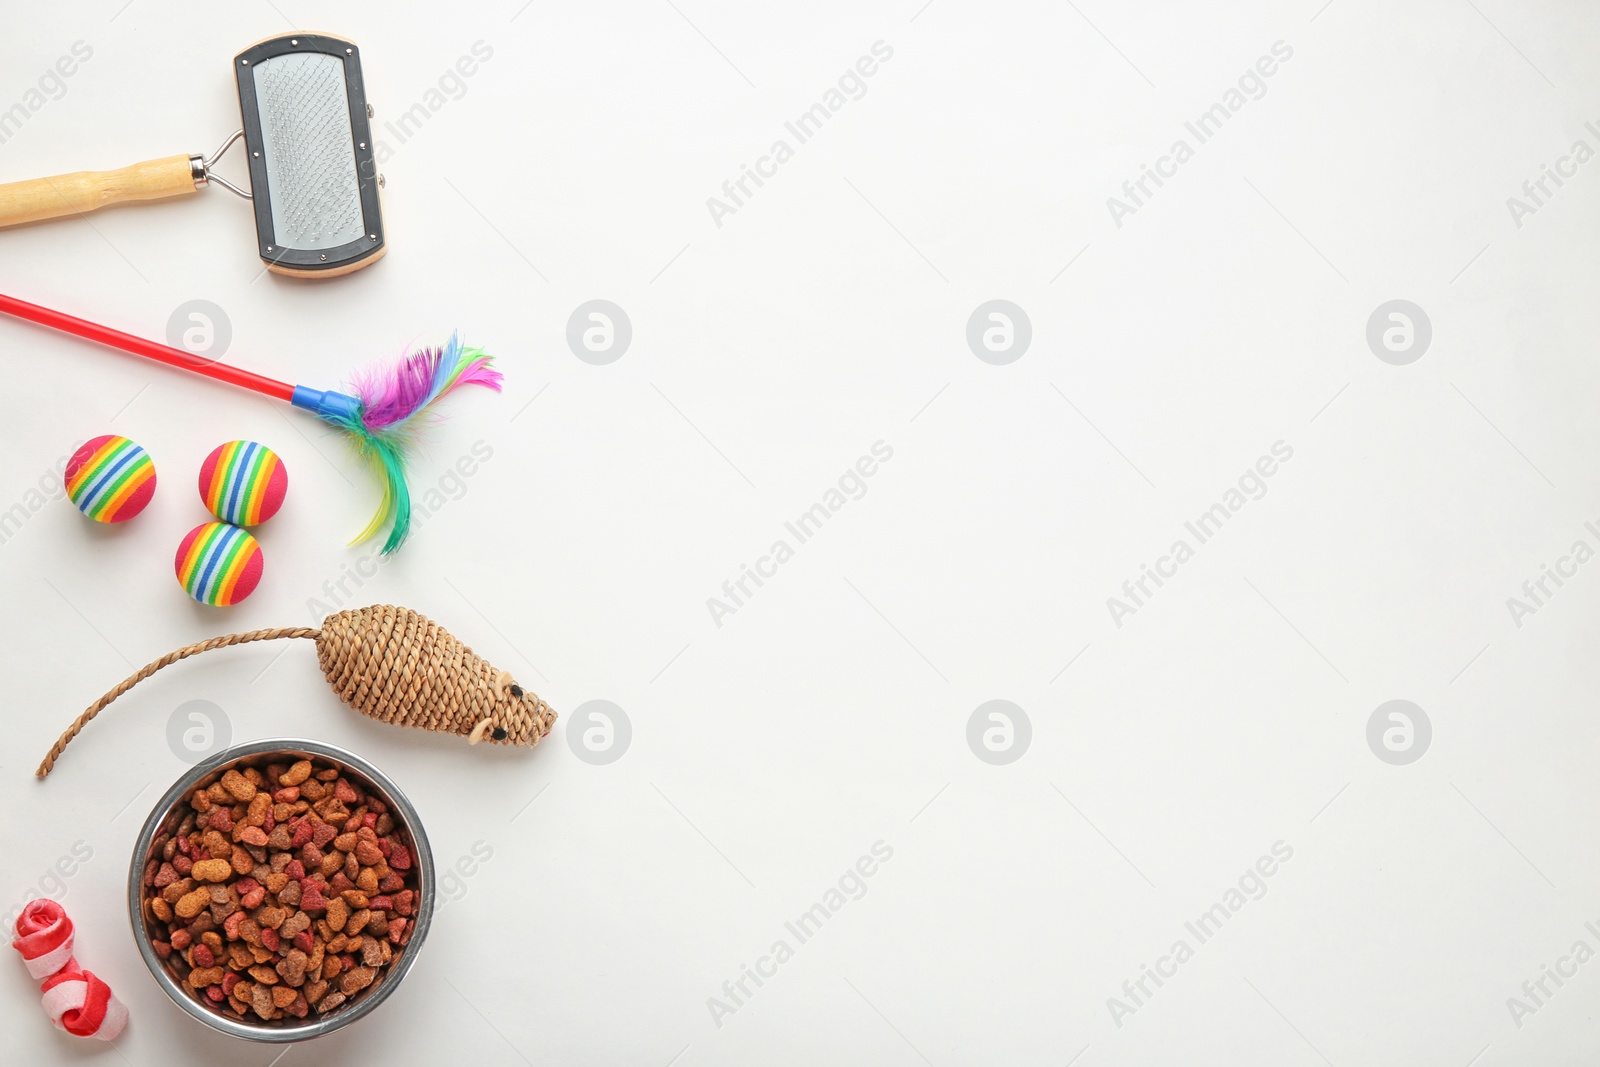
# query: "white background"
x,y
830,711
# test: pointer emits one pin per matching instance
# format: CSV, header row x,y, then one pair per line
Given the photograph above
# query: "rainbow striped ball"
x,y
111,479
243,483
218,564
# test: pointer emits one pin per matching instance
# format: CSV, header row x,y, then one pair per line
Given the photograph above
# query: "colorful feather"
x,y
385,431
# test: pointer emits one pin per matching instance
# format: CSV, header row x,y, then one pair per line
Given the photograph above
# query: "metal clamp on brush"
x,y
200,168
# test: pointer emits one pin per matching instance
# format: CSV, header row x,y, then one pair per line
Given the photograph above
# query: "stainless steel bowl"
x,y
171,809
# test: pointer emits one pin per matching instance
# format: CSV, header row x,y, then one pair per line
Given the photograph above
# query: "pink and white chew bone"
x,y
76,1000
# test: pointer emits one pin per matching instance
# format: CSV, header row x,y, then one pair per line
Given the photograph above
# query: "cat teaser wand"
x,y
381,419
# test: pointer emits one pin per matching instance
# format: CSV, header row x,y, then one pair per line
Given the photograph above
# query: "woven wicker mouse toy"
x,y
390,664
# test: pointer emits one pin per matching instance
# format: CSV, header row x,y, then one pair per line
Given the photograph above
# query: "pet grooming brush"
x,y
313,176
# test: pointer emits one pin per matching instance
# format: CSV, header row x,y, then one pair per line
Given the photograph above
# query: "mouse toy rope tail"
x,y
170,658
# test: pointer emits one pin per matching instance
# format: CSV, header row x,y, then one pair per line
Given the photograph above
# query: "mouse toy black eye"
x,y
516,691
499,733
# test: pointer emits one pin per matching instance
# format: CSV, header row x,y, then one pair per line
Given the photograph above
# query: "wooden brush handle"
x,y
88,190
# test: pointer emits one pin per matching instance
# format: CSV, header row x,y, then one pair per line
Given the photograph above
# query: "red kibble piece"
x,y
268,822
400,858
230,925
163,948
215,994
346,961
339,883
201,955
402,902
393,883
183,845
352,824
302,833
311,896
182,864
287,795
344,791
382,902
269,939
299,1008
247,884
166,876
296,870
220,818
396,928
253,835
230,980
323,833
254,898
181,939
370,819
304,941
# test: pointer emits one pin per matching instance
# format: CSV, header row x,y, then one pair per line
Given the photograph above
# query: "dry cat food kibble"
x,y
284,891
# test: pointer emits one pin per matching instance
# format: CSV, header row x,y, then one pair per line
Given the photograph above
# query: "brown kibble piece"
x,y
264,974
329,1002
261,1000
212,870
257,813
238,786
201,977
296,774
192,903
293,967
283,996
374,953
338,913
354,980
